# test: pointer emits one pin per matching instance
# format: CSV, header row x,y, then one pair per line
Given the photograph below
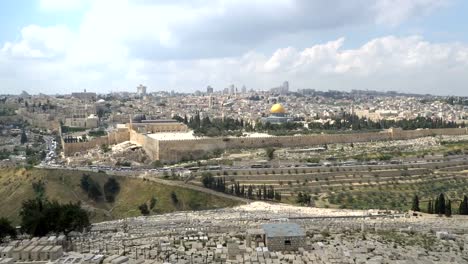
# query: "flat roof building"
x,y
284,236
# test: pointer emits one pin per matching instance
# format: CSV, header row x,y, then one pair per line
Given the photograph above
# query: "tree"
x,y
441,204
144,209
208,180
111,189
430,208
174,198
94,190
6,229
84,182
24,138
40,217
448,208
270,153
39,189
463,209
153,203
303,198
415,205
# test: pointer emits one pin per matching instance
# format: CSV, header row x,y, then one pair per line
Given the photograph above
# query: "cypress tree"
x,y
24,138
429,207
415,205
441,204
448,208
463,209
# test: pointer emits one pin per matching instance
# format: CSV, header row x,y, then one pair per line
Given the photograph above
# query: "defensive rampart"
x,y
177,150
111,138
150,145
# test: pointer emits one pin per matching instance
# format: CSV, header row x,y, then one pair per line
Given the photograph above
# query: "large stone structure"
x,y
176,150
111,138
168,150
284,236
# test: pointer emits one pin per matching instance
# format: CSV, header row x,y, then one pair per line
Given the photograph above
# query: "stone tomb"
x,y
284,236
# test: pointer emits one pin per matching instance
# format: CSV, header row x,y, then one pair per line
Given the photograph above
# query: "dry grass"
x,y
64,186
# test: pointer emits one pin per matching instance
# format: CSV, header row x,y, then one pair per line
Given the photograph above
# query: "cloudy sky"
x,y
60,46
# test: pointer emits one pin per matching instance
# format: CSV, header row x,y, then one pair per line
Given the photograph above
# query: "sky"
x,y
63,46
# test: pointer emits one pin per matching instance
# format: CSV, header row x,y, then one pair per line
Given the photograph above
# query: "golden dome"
x,y
277,109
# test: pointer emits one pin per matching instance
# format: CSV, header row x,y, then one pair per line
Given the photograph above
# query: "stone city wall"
x,y
111,138
176,150
150,145
152,128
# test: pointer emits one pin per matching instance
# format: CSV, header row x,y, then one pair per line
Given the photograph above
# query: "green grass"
x,y
64,186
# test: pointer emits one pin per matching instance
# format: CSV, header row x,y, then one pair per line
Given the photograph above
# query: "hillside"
x,y
64,186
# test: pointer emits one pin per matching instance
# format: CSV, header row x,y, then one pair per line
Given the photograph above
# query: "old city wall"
x,y
176,150
150,145
410,134
111,138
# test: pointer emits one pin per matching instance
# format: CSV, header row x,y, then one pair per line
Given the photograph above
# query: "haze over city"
x,y
61,46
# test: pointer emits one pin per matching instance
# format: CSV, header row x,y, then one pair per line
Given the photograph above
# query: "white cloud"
x,y
215,28
190,44
386,63
40,42
394,12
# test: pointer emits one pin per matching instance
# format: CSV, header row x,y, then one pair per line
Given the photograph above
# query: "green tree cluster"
x,y
40,217
6,229
111,189
303,198
91,187
144,209
440,205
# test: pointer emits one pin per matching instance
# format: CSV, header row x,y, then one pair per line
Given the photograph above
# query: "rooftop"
x,y
283,230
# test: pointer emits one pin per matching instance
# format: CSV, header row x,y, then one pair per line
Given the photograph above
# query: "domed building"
x,y
277,115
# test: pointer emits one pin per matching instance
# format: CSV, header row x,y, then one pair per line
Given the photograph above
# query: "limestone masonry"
x,y
177,150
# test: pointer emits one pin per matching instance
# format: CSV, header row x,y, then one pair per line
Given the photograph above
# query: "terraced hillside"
x,y
16,185
390,186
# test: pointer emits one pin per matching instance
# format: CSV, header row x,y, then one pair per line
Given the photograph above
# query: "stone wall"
x,y
150,145
176,150
152,128
278,243
111,138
